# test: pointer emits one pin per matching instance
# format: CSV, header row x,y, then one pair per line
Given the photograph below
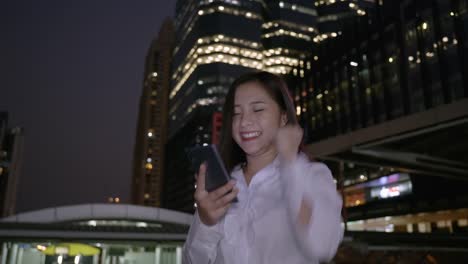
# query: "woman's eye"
x,y
258,110
236,113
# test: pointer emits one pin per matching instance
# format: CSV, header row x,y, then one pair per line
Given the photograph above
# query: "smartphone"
x,y
216,173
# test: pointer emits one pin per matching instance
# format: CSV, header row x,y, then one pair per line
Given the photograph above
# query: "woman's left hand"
x,y
288,140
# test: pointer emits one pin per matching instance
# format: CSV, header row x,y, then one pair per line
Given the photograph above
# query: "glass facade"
x,y
398,59
217,41
391,63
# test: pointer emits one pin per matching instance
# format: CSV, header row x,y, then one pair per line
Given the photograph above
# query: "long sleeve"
x,y
313,182
202,241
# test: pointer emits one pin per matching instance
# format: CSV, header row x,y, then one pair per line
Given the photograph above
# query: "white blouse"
x,y
262,227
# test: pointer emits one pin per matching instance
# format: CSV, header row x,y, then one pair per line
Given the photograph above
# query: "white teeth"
x,y
250,135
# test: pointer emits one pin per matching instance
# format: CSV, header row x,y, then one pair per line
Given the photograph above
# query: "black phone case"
x,y
216,173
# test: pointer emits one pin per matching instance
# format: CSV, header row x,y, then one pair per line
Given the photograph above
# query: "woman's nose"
x,y
246,120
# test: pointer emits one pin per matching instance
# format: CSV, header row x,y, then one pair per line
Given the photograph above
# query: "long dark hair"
x,y
274,85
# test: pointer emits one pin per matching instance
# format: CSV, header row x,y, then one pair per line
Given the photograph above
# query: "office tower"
x,y
11,156
385,105
151,135
216,41
335,16
385,67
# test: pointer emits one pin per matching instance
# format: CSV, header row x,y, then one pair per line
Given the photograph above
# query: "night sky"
x,y
71,76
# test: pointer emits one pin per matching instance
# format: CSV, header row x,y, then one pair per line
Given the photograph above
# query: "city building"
x,y
151,134
11,157
335,15
217,41
387,111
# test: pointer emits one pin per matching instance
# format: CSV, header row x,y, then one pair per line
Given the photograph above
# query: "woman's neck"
x,y
256,163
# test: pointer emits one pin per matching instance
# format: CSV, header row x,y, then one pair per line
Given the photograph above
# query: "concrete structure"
x,y
122,233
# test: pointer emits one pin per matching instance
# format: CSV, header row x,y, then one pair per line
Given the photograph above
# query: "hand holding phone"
x,y
213,205
216,173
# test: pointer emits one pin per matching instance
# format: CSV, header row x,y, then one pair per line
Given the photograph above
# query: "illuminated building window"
x,y
298,8
288,24
283,32
149,166
324,36
224,49
231,10
463,222
206,8
217,53
298,110
150,133
424,26
203,102
225,46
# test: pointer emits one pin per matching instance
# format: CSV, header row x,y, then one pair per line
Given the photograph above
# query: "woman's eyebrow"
x,y
254,102
258,102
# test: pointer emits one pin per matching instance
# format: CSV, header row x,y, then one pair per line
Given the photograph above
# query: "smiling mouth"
x,y
250,135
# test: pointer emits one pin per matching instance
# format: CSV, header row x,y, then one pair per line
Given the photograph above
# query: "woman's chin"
x,y
250,149
254,150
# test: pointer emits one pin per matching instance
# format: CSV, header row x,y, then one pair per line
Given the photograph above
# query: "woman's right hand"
x,y
213,205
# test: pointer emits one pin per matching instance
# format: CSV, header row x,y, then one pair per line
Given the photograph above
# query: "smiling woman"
x,y
268,91
288,209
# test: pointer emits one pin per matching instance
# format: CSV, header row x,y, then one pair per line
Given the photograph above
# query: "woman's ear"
x,y
284,119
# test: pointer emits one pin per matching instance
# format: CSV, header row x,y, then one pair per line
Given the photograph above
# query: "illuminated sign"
x,y
384,192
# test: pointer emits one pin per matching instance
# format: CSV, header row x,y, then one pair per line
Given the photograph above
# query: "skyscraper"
x,y
148,164
11,156
385,105
216,41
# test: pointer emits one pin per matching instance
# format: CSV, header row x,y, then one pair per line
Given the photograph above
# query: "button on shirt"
x,y
262,227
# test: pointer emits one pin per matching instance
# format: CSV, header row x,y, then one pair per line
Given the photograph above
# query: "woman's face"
x,y
256,119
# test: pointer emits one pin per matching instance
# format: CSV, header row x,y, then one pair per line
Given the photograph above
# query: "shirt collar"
x,y
238,174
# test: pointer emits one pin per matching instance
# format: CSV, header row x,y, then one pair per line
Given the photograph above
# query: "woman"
x,y
288,209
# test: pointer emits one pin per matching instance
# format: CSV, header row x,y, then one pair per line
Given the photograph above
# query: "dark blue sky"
x,y
71,74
